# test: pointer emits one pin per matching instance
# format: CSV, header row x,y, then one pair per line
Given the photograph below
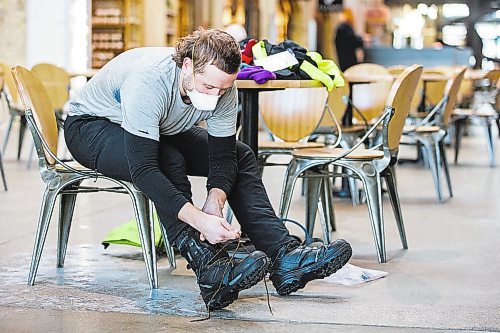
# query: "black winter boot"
x,y
220,278
294,266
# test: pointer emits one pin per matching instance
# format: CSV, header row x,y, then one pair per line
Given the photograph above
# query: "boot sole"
x,y
297,279
229,294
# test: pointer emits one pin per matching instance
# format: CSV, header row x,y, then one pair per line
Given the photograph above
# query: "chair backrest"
x,y
417,98
293,113
493,76
400,99
451,93
370,99
337,100
434,91
35,98
55,80
10,89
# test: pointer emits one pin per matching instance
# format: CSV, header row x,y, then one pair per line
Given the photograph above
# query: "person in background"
x,y
347,42
135,121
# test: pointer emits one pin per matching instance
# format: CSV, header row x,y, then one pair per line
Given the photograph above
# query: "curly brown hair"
x,y
211,46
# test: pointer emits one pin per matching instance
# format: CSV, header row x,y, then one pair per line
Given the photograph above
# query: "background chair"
x,y
484,112
328,130
432,130
291,115
417,98
16,110
367,165
64,180
369,98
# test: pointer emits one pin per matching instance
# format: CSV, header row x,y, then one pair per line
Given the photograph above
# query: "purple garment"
x,y
256,73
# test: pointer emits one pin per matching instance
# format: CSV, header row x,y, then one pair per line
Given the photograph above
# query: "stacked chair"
x,y
64,180
367,165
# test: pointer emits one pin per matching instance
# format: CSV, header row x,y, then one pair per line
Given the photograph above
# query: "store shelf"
x,y
172,22
117,25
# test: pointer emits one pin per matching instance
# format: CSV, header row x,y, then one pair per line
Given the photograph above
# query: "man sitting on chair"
x,y
135,121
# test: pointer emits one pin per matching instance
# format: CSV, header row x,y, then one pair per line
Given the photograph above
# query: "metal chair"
x,y
15,109
291,115
64,180
367,165
484,112
432,130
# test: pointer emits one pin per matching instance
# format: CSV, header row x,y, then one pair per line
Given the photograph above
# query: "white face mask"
x,y
202,101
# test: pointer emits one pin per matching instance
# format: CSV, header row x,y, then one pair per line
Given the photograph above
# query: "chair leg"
x,y
48,202
498,125
432,158
373,193
66,209
2,172
313,194
392,189
7,133
22,130
326,204
489,138
229,214
353,188
168,248
458,137
444,161
30,156
146,234
294,169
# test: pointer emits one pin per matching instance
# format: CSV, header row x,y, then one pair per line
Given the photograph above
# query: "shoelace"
x,y
308,241
231,259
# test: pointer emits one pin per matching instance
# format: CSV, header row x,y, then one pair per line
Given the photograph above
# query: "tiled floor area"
x,y
447,280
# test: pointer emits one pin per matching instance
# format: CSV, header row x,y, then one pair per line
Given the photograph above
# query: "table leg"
x,y
421,107
250,119
347,118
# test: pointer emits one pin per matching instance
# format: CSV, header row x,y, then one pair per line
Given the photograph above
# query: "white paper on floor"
x,y
350,275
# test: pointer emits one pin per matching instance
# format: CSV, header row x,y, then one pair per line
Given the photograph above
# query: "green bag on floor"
x,y
128,234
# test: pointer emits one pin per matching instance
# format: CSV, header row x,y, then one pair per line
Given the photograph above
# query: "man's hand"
x,y
212,228
216,230
213,206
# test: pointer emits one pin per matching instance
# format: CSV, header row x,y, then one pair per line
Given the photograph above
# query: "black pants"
x,y
98,144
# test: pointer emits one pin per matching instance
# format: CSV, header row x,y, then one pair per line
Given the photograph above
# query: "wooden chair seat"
x,y
353,128
74,165
418,114
421,129
474,113
289,145
358,154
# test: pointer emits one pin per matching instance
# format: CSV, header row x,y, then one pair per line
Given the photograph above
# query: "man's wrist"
x,y
217,195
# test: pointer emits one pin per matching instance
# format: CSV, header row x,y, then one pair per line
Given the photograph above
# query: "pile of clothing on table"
x,y
263,61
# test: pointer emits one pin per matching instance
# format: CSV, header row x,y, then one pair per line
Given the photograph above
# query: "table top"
x,y
433,77
87,73
367,78
475,74
278,84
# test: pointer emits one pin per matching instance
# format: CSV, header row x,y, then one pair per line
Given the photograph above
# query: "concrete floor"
x,y
447,280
